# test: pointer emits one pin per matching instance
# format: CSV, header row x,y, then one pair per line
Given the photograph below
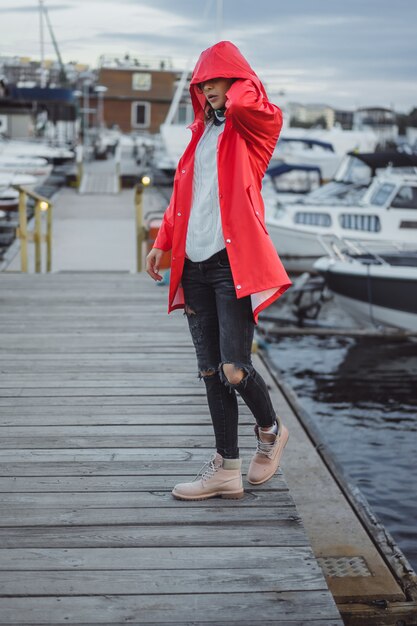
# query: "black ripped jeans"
x,y
222,328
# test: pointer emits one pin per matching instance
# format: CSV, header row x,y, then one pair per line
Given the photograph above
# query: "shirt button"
x,y
179,214
238,286
228,241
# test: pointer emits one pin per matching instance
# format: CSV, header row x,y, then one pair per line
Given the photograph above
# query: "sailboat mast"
x,y
219,20
43,77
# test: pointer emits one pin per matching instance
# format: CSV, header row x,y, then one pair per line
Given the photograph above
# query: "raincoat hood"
x,y
223,60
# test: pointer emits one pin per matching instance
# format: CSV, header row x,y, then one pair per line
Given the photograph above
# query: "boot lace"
x,y
265,448
207,470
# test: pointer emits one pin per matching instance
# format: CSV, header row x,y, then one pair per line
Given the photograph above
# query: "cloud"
x,y
33,8
323,50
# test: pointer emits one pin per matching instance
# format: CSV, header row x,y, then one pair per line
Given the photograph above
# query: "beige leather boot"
x,y
268,454
217,477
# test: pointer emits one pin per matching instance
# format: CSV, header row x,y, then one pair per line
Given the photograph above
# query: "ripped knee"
x,y
207,373
233,374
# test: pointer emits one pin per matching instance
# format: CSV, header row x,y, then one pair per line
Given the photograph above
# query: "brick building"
x,y
138,94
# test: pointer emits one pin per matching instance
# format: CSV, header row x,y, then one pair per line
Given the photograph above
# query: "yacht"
x,y
324,148
387,213
9,197
375,288
35,167
33,149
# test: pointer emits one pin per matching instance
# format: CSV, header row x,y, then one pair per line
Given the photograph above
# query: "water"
x,y
362,395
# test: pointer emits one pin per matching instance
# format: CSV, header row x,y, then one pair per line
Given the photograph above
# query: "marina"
x,y
102,409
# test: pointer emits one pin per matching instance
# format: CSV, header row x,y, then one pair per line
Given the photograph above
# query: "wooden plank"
x,y
212,514
51,392
289,532
138,500
296,622
149,559
120,441
103,400
156,607
61,433
41,417
118,379
96,483
105,468
295,574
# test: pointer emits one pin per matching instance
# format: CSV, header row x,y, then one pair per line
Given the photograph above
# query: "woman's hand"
x,y
153,261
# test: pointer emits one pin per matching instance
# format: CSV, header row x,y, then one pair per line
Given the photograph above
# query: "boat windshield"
x,y
381,194
406,198
353,170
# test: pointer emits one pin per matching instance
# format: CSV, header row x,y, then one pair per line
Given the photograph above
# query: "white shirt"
x,y
205,234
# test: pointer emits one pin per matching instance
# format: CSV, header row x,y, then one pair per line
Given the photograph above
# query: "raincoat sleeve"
x,y
163,239
254,117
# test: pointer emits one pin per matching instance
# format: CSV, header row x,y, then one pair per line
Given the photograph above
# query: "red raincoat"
x,y
244,149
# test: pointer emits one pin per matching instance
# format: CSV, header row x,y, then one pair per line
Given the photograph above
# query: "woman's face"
x,y
215,91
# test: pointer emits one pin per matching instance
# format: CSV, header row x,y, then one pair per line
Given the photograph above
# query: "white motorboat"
x,y
9,197
35,167
286,183
387,214
324,148
307,151
355,174
28,149
374,288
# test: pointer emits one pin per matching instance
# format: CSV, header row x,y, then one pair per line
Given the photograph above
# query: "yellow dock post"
x,y
41,205
48,238
37,238
23,231
79,158
140,229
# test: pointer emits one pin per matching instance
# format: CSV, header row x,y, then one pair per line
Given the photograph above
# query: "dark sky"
x,y
344,53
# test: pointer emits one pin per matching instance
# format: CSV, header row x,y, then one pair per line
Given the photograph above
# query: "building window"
x,y
141,114
141,81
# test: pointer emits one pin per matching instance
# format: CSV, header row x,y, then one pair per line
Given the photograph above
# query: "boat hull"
x,y
297,250
374,294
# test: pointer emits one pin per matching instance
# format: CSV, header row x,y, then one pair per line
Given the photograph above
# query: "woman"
x,y
224,267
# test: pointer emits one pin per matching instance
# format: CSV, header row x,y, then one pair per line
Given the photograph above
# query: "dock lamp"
x,y
43,205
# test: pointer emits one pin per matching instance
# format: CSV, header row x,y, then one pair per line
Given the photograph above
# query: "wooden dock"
x,y
101,414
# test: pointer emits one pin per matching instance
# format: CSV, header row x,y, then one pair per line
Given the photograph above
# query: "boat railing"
x,y
345,249
42,206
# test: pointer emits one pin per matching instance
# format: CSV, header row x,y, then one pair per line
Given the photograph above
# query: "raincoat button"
x,y
183,171
221,196
238,286
228,241
179,214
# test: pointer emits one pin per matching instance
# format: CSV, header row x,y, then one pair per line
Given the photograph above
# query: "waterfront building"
x,y
138,93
